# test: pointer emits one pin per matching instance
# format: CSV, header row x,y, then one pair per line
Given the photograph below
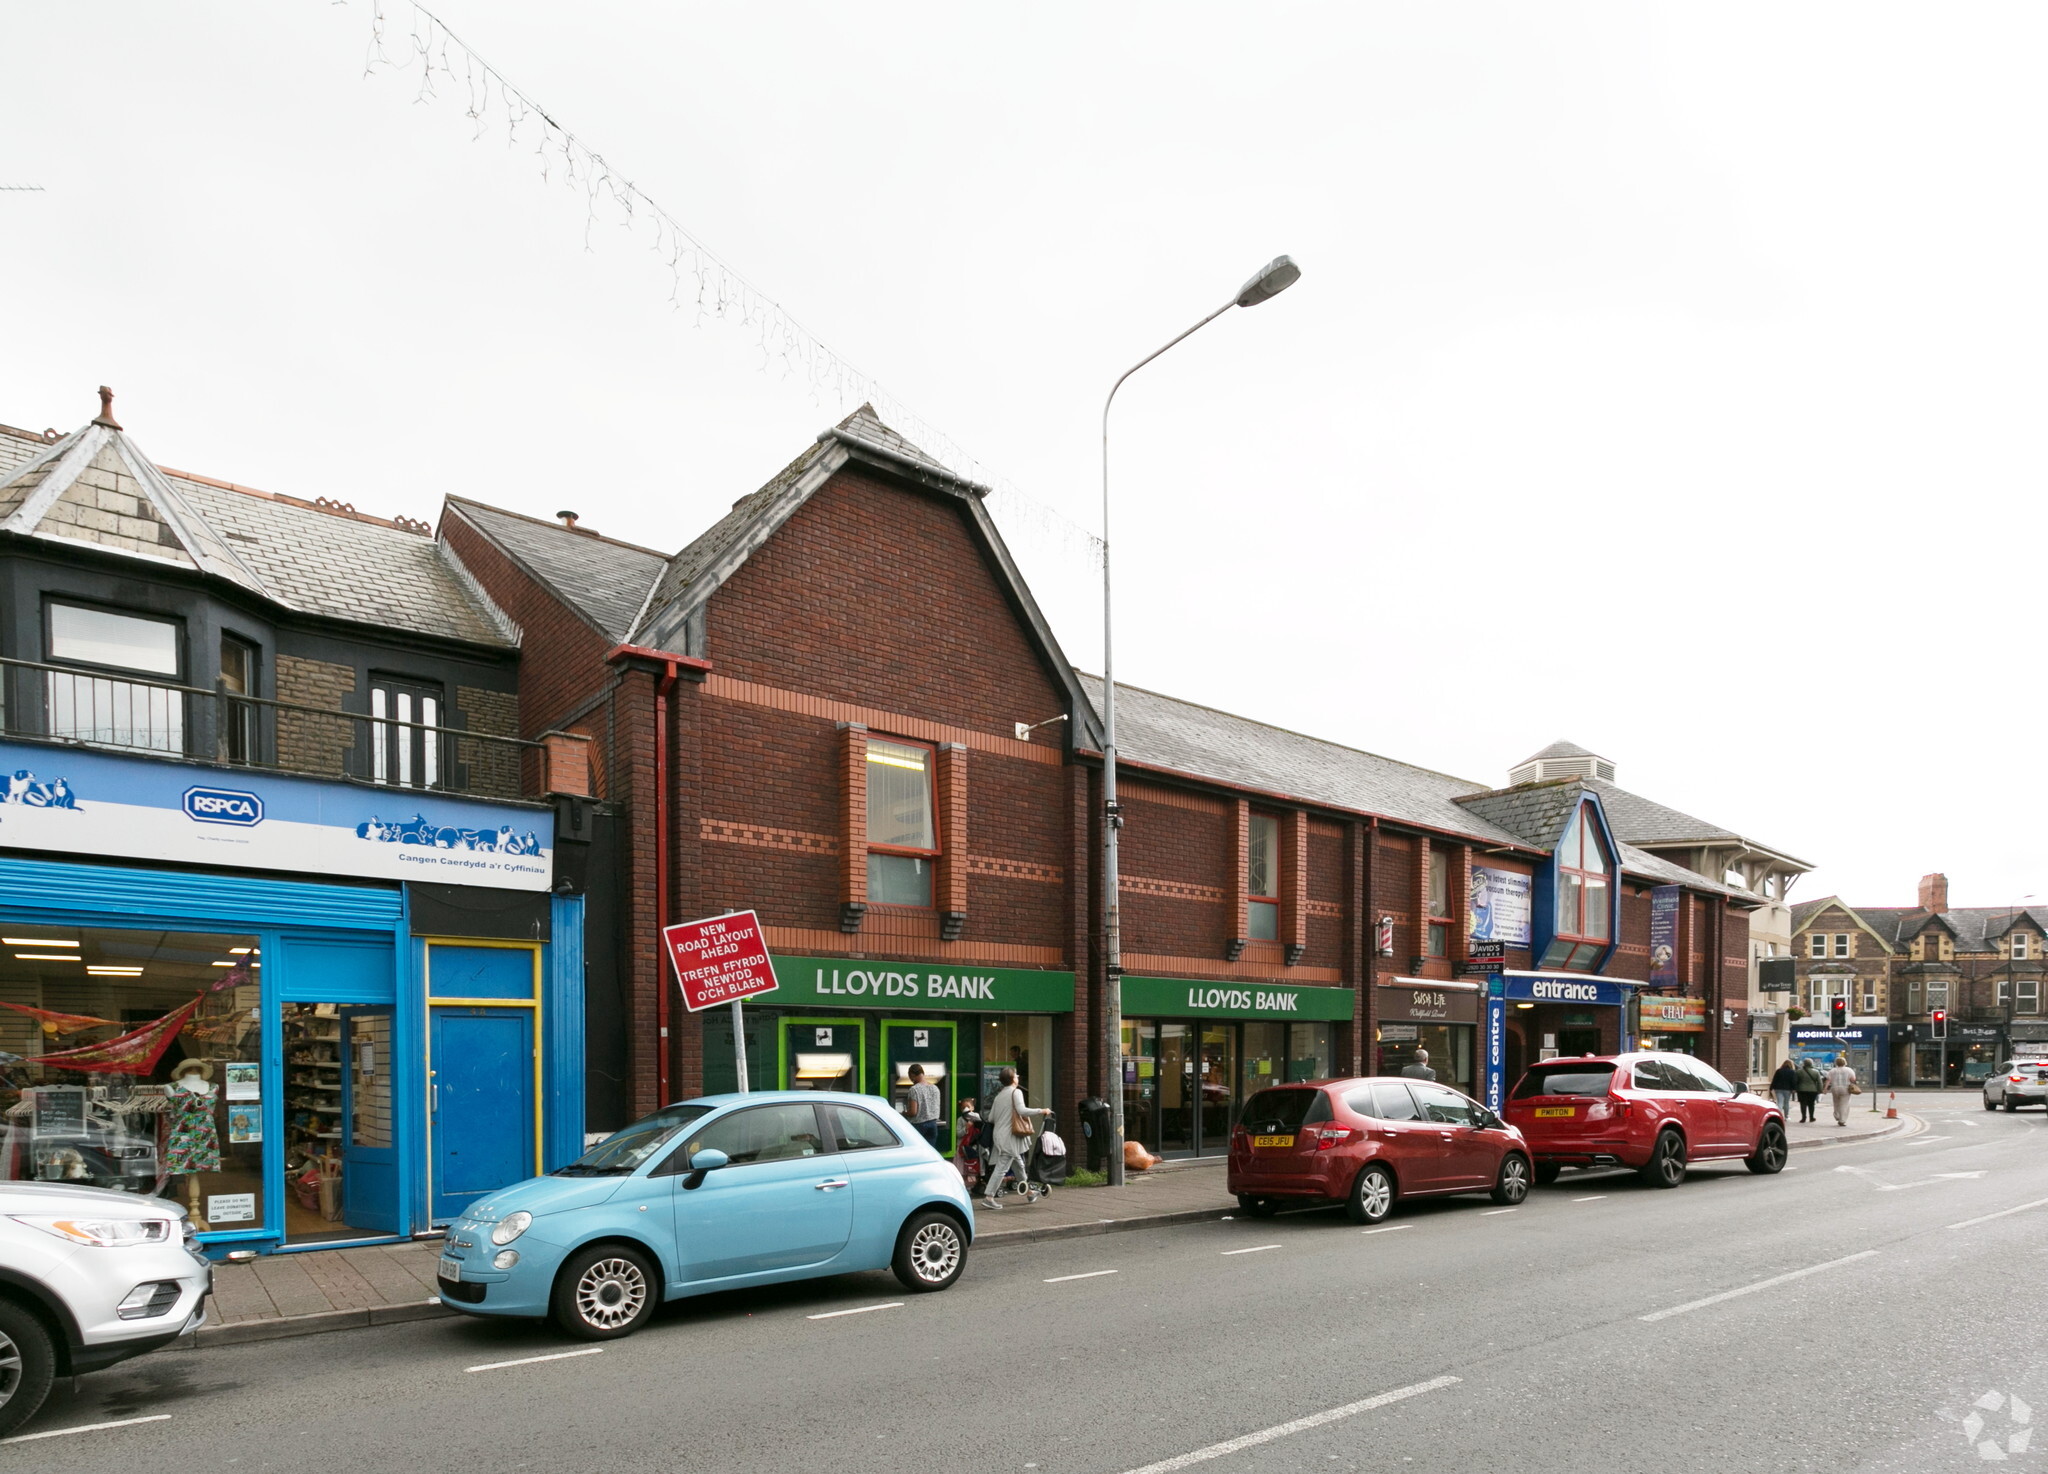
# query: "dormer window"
x,y
1585,897
2020,948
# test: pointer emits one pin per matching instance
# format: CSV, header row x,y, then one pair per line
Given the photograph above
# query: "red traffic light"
x,y
1940,1027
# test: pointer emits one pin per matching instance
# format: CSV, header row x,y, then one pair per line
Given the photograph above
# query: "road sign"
x,y
721,959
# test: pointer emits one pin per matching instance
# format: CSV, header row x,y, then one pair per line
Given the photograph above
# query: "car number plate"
x,y
450,1269
1549,1111
1258,1141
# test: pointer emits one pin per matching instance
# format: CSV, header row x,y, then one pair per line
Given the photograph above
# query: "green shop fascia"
x,y
838,1023
1170,998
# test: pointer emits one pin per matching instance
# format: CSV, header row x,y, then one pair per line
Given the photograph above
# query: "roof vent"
x,y
106,414
1561,760
568,520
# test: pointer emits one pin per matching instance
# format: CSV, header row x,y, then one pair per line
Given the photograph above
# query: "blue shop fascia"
x,y
314,1012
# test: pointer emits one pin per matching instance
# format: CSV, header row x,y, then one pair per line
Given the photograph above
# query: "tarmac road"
x,y
1848,1315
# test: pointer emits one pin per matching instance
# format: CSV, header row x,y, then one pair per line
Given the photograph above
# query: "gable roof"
x,y
1975,928
604,580
95,488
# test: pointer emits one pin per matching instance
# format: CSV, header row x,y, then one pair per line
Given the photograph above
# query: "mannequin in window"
x,y
195,1138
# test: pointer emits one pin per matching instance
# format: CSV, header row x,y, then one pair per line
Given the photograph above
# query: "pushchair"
x,y
1044,1169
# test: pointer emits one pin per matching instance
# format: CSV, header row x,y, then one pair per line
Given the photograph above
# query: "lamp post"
x,y
1269,282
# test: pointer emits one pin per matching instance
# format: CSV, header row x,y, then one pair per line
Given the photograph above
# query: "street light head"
x,y
1275,277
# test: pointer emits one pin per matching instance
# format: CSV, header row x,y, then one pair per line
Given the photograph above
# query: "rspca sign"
x,y
72,801
223,806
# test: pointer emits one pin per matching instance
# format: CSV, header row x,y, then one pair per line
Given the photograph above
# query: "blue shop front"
x,y
316,1013
1867,1047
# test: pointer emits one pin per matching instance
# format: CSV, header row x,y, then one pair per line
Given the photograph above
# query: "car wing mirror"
x,y
708,1159
1741,1088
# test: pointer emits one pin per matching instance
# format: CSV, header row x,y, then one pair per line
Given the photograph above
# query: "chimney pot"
x,y
1934,892
568,519
106,414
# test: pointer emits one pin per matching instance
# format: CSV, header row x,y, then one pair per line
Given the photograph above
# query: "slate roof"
x,y
1644,821
327,562
1975,928
1538,812
1557,749
604,579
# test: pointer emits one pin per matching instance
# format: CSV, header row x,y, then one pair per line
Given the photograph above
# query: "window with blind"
x,y
903,839
1262,879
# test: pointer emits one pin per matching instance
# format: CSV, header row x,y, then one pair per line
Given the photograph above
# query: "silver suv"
x,y
2016,1083
88,1277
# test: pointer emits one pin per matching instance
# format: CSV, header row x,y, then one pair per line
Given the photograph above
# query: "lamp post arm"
x,y
1112,819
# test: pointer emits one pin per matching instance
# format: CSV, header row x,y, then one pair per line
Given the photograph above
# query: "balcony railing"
x,y
56,703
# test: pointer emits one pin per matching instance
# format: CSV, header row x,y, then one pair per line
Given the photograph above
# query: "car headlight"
x,y
510,1227
102,1233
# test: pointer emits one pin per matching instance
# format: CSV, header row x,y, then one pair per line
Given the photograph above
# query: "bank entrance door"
x,y
1196,1070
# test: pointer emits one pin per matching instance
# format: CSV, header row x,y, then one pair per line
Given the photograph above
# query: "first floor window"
x,y
1937,994
1841,944
237,716
2028,998
1439,938
1869,991
88,707
1262,879
405,737
903,841
1817,945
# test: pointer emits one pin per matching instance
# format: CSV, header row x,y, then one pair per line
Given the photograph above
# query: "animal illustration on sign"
x,y
421,830
23,787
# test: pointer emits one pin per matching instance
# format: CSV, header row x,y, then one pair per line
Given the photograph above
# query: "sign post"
x,y
722,959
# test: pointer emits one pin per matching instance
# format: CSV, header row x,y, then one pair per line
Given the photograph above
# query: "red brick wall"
x,y
562,657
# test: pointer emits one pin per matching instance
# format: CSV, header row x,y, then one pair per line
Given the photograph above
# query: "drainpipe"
x,y
668,669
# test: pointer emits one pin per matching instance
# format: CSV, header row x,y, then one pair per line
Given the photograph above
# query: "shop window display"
x,y
131,1060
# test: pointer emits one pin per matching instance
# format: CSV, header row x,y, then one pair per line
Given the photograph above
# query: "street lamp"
x,y
1275,277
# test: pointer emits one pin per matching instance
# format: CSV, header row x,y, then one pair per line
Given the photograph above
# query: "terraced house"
x,y
1895,966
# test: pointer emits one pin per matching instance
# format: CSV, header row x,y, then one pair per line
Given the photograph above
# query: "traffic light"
x,y
1940,1028
1838,1013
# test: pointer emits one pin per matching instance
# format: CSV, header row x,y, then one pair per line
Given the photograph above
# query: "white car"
x,y
2016,1083
88,1277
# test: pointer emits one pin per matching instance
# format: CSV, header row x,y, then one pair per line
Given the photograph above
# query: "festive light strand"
x,y
699,278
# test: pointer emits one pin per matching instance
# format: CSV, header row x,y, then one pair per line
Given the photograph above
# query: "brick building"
x,y
1895,965
840,706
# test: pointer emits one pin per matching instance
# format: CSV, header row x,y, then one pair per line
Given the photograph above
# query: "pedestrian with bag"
x,y
1809,1089
924,1106
1785,1085
1011,1125
1841,1083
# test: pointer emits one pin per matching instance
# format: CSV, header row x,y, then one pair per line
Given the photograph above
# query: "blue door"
x,y
480,1104
369,1147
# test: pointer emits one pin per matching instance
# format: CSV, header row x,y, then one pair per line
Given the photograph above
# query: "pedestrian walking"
x,y
1841,1083
1785,1085
1420,1070
1006,1112
924,1106
1809,1088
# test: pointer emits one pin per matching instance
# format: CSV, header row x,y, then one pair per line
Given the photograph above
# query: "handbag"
x,y
1854,1088
1020,1124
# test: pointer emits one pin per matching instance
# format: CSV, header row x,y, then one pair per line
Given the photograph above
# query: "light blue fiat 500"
x,y
713,1194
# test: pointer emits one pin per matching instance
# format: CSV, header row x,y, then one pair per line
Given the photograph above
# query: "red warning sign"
x,y
719,960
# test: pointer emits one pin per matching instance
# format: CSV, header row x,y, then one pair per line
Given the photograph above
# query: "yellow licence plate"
x,y
1258,1141
1547,1111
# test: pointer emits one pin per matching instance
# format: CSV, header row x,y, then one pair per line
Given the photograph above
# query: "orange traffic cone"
x,y
1892,1111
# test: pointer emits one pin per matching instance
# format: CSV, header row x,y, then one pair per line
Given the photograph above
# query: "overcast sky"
x,y
1664,378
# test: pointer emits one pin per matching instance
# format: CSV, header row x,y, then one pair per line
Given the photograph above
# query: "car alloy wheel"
x,y
1513,1184
1770,1151
28,1362
1666,1167
1372,1195
611,1293
1989,1103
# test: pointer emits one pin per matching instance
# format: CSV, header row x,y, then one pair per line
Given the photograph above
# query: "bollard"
x,y
1892,1111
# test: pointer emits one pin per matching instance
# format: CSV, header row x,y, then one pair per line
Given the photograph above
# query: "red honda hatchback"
x,y
1654,1112
1364,1143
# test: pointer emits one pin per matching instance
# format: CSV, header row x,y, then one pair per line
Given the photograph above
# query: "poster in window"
x,y
244,1080
245,1122
1499,908
1664,936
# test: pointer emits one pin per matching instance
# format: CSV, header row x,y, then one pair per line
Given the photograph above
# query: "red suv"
x,y
1363,1143
1653,1112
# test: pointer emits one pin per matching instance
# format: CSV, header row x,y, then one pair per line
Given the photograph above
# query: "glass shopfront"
x,y
1428,1021
1185,1079
132,1060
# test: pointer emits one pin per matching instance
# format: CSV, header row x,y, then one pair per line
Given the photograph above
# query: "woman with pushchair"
x,y
1008,1146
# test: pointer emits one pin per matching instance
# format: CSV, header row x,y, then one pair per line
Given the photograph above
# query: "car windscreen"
x,y
1572,1079
624,1151
1281,1110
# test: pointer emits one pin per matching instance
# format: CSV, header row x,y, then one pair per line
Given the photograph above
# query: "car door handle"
x,y
825,1187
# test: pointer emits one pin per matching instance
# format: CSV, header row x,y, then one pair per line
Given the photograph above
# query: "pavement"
x,y
1853,1315
299,1294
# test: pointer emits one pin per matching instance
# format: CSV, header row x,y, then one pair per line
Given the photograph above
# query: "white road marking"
x,y
1495,1212
1925,1140
1254,1249
1596,1198
87,1428
1298,1425
1775,1280
1390,1228
1060,1279
857,1310
2003,1213
1892,1187
492,1366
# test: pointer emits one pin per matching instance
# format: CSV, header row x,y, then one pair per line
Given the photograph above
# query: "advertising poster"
x,y
1499,909
245,1123
244,1080
1664,936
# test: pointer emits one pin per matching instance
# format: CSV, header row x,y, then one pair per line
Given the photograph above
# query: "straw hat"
x,y
184,1067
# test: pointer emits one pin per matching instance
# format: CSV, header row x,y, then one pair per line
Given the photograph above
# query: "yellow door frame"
x,y
531,1004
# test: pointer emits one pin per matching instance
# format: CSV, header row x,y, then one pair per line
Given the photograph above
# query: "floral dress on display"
x,y
195,1139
